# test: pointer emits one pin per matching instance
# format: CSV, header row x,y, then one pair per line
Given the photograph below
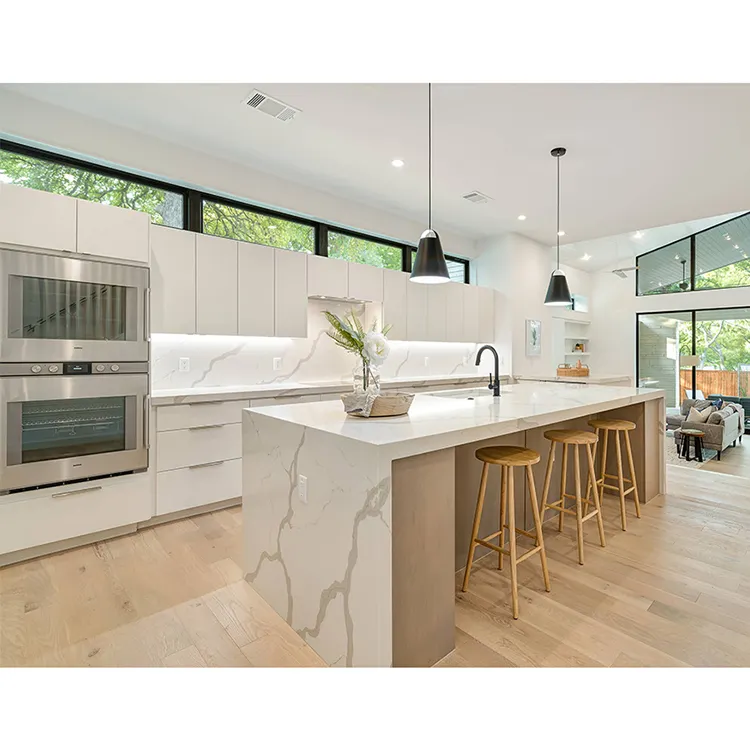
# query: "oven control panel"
x,y
73,368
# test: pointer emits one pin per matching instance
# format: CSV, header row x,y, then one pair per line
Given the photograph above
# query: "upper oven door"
x,y
55,429
57,308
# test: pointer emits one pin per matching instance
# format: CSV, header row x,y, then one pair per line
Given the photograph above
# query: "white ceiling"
x,y
639,155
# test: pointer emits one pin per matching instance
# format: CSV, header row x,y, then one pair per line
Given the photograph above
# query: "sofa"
x,y
722,429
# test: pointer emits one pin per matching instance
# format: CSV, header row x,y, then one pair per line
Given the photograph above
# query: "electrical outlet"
x,y
277,363
302,484
184,364
426,361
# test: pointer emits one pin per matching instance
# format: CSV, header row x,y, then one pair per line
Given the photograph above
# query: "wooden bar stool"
x,y
572,438
508,456
617,426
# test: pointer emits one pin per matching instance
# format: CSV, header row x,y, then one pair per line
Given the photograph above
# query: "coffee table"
x,y
697,437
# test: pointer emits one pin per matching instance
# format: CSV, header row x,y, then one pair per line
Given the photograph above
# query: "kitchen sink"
x,y
467,393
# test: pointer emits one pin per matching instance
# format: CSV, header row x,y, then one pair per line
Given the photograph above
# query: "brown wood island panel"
x,y
422,523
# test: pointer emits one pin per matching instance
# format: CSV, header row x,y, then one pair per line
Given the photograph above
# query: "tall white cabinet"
x,y
255,288
112,232
216,288
394,303
172,280
290,298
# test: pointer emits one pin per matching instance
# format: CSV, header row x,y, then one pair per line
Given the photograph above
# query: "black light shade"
x,y
429,265
557,291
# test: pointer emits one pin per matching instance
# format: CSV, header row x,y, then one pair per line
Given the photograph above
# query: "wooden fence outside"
x,y
720,382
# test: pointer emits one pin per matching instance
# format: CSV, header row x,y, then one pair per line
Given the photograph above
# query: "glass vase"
x,y
366,377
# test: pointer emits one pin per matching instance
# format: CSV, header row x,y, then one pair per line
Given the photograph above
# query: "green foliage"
x,y
163,206
348,332
357,250
248,226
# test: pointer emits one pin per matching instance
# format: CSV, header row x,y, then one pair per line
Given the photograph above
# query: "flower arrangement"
x,y
370,346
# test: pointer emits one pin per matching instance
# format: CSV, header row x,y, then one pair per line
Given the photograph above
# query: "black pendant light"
x,y
429,265
558,293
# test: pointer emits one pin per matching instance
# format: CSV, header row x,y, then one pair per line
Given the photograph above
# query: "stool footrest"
x,y
614,476
617,489
502,551
589,515
528,553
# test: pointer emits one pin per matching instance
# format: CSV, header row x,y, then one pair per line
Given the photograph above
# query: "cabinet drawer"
x,y
184,416
198,445
36,518
198,485
284,400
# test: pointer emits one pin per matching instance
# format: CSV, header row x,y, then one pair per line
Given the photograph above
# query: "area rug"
x,y
670,452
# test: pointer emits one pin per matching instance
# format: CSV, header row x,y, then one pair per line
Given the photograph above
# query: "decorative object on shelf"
x,y
429,265
533,338
579,347
558,293
578,371
372,349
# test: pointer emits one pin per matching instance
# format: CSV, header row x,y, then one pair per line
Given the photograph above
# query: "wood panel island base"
x,y
354,528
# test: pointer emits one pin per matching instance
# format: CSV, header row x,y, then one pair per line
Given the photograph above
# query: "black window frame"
x,y
691,237
32,152
193,199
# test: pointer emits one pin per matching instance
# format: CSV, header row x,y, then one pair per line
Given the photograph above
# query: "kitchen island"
x,y
354,528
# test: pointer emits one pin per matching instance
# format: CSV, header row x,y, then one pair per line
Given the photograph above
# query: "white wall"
x,y
44,124
519,268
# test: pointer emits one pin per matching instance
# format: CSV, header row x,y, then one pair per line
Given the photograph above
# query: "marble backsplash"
x,y
249,360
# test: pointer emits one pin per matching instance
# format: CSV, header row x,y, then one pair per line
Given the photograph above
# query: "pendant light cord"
x,y
558,213
429,155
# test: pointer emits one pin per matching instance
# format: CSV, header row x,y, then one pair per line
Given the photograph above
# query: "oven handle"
x,y
77,492
147,422
147,314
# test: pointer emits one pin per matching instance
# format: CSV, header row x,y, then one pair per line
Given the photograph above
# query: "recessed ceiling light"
x,y
561,233
676,257
736,247
521,217
638,235
585,256
729,239
397,163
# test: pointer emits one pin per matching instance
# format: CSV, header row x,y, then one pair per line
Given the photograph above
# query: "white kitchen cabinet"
x,y
255,289
394,303
365,282
454,310
172,280
112,232
486,315
290,298
34,218
216,287
416,311
199,414
327,277
471,314
194,486
31,519
178,449
437,303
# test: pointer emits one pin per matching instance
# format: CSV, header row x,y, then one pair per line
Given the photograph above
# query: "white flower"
x,y
376,348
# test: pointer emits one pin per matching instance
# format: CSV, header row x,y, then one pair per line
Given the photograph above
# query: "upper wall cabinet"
x,y
471,314
365,282
455,298
437,303
416,312
394,303
172,280
255,284
290,298
327,277
486,314
216,285
113,232
37,219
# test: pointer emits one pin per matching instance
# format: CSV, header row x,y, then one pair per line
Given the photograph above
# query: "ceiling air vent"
x,y
477,197
264,103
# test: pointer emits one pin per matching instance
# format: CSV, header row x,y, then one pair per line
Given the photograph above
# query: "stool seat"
x,y
571,437
611,424
508,455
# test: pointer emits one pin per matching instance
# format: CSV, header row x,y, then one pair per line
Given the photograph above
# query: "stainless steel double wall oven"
x,y
74,380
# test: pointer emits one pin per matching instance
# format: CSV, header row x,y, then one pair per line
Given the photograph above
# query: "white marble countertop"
x,y
438,422
591,379
169,397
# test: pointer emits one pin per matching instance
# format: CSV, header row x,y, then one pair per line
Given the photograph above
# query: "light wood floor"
x,y
734,461
674,590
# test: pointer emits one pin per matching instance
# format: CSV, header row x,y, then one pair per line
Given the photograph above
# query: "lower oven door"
x,y
58,429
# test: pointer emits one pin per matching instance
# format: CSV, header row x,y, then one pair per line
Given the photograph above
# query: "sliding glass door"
x,y
696,353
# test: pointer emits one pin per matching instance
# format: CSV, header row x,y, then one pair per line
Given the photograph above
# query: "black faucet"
x,y
496,385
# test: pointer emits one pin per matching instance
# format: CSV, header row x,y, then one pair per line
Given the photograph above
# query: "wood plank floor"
x,y
734,461
674,590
